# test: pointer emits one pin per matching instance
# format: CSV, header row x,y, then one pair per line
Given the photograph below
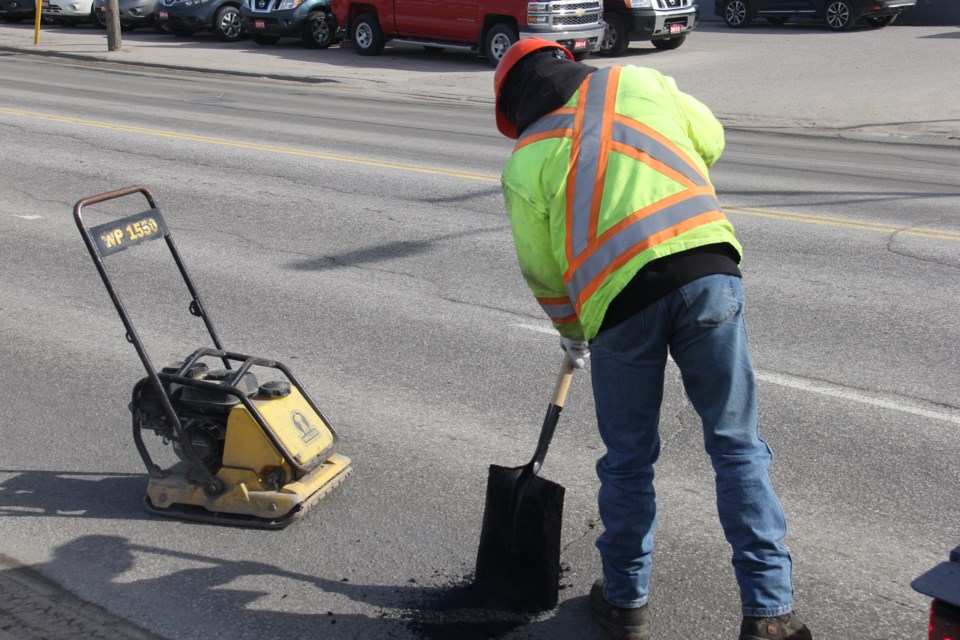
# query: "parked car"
x,y
839,15
186,17
266,21
67,12
487,27
133,14
16,10
663,23
942,583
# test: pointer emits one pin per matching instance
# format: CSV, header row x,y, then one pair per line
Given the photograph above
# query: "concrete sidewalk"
x,y
893,84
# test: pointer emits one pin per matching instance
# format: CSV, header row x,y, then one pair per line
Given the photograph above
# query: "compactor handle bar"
x,y
113,237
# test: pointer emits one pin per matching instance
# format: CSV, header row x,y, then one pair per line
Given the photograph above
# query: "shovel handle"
x,y
553,415
563,383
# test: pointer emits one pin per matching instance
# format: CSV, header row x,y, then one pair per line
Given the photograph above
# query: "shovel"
x,y
518,561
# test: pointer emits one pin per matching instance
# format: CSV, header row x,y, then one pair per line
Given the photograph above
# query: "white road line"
x,y
27,217
904,405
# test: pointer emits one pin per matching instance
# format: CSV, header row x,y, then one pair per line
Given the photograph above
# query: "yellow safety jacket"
x,y
612,180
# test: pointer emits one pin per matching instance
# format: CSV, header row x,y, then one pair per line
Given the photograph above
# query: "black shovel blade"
x,y
518,560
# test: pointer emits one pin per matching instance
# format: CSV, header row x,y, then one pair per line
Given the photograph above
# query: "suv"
x,y
942,583
487,27
838,14
132,13
67,12
16,10
269,20
186,17
663,23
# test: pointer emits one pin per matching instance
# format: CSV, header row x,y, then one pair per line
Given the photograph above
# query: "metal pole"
x,y
36,24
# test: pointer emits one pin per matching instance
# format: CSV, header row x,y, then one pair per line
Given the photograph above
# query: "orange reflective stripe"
x,y
653,163
560,310
663,140
624,258
603,155
596,130
544,135
645,212
572,176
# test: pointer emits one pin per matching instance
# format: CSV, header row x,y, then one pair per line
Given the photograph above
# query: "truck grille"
x,y
674,4
575,21
567,13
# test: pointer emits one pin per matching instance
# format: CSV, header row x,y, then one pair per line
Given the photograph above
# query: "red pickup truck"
x,y
488,27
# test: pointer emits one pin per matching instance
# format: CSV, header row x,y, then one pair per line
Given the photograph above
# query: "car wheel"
x,y
882,21
736,13
668,43
127,27
265,40
160,26
615,39
778,20
100,19
226,25
317,32
499,38
367,35
839,15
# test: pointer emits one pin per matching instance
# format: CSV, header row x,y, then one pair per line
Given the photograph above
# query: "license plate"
x,y
163,15
676,28
579,44
259,24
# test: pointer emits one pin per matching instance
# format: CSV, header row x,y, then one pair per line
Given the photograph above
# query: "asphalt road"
x,y
358,243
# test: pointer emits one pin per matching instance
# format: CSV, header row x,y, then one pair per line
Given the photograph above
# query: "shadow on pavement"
x,y
241,594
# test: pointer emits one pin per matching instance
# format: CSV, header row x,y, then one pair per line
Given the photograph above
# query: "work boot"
x,y
775,628
619,622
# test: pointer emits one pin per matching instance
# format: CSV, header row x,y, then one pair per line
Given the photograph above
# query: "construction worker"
x,y
621,238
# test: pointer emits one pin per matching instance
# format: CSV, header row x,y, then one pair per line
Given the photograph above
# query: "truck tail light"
x,y
944,621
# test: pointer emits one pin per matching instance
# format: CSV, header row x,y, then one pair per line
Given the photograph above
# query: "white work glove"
x,y
577,352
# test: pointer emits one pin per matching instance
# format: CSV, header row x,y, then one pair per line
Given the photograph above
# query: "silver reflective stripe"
x,y
559,311
588,159
634,234
549,122
658,151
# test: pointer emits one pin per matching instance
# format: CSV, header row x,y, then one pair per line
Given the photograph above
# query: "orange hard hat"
x,y
517,52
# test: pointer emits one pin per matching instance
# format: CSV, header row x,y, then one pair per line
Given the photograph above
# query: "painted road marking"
x,y
829,389
787,216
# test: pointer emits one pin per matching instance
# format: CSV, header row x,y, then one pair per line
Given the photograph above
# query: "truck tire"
x,y
367,35
499,38
616,38
226,25
317,32
668,43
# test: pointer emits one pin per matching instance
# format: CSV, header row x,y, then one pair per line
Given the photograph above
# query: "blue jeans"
x,y
701,324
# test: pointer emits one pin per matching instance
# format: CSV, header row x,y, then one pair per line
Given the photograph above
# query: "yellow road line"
x,y
847,223
787,216
255,146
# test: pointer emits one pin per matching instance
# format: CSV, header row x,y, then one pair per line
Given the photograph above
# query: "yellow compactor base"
x,y
177,497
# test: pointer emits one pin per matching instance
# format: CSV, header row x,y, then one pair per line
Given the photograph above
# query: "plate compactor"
x,y
255,453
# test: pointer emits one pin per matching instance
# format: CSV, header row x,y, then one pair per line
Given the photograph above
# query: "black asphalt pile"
x,y
460,611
